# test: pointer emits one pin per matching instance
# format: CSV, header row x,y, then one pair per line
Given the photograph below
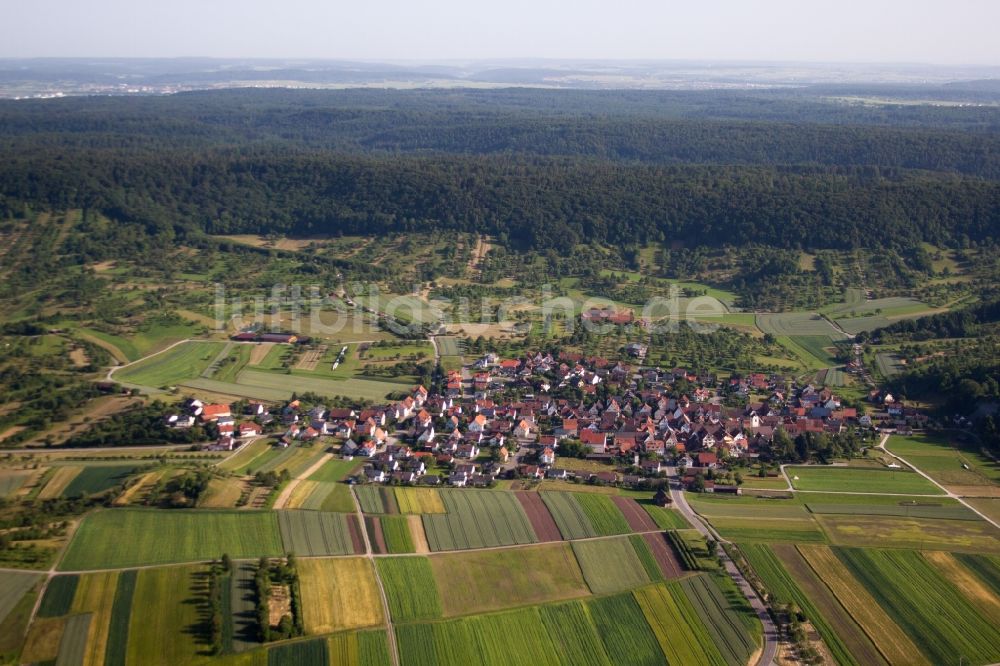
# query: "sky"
x,y
951,32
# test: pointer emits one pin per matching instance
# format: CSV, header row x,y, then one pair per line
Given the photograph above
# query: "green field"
x,y
58,596
469,583
73,643
121,613
311,533
165,608
397,535
136,537
917,533
185,361
300,653
13,586
942,458
790,324
448,346
627,636
820,346
860,480
335,470
603,515
410,588
365,648
610,565
95,479
265,385
670,615
478,519
937,616
569,515
376,499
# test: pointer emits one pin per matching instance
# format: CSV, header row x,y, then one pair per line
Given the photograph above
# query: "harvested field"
x,y
419,500
58,482
602,578
895,646
259,352
664,554
339,594
419,537
376,537
311,533
637,518
541,520
12,480
469,584
42,643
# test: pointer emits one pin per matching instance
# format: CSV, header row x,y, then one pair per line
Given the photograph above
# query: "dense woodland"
x,y
537,169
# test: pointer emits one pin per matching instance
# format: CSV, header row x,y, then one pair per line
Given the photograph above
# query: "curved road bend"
x,y
770,648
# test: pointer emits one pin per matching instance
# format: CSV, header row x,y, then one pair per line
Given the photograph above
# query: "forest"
x,y
541,170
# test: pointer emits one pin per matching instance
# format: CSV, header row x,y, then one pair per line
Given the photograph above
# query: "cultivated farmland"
x,y
58,598
928,608
96,594
861,480
623,629
396,533
365,648
135,537
894,645
97,478
478,519
13,586
943,460
339,594
596,558
163,611
574,634
311,533
419,500
603,514
183,362
638,519
409,588
569,515
73,644
676,626
469,581
299,653
121,612
541,520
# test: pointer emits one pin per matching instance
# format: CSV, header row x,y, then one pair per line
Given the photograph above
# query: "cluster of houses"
x,y
474,432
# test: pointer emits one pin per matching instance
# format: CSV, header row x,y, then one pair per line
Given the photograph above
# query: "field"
x,y
13,586
41,645
339,594
365,648
169,368
942,458
321,496
469,583
894,645
676,626
603,514
58,597
410,588
135,537
61,477
73,644
888,364
819,346
164,612
12,480
610,565
396,533
797,324
915,533
860,480
939,619
96,479
243,606
372,499
783,589
419,500
265,385
335,469
638,520
569,515
448,346
478,519
121,612
96,594
665,519
541,520
310,533
300,653
747,519
621,624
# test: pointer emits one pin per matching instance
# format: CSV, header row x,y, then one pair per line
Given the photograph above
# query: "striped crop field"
x,y
893,644
924,604
396,533
409,588
339,594
419,500
95,594
469,583
313,652
376,499
848,630
478,519
603,514
58,597
723,622
783,589
135,537
569,515
364,648
610,565
679,631
622,626
187,360
311,533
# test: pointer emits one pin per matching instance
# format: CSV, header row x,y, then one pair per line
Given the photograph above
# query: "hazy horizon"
x,y
920,32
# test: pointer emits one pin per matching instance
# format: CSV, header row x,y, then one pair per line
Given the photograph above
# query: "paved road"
x,y
770,649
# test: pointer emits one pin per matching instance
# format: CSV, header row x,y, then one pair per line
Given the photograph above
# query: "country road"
x,y
770,648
